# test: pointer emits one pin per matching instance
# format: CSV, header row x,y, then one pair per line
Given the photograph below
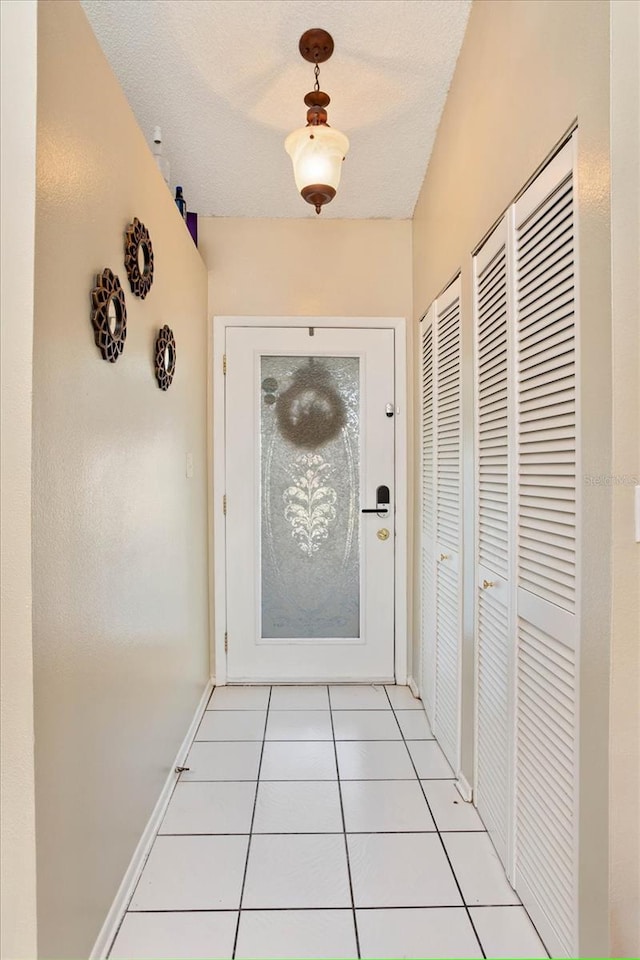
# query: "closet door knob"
x,y
487,583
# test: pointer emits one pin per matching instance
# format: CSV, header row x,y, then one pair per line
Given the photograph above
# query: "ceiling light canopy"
x,y
317,150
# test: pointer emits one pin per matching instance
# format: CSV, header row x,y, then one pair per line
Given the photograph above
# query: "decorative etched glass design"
x,y
310,456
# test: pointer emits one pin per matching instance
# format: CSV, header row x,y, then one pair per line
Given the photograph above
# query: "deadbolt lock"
x,y
383,534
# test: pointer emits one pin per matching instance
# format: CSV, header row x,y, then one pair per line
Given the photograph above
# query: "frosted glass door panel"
x,y
310,478
310,576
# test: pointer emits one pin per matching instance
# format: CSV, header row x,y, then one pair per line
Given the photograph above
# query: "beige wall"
x,y
311,267
526,71
119,532
18,33
307,267
624,782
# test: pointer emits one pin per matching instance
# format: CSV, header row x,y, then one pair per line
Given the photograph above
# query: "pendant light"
x,y
317,150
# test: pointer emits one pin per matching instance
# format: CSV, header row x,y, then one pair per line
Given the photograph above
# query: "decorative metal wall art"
x,y
138,258
165,357
109,315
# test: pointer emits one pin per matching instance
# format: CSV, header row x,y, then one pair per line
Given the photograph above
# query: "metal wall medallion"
x,y
109,315
165,357
138,258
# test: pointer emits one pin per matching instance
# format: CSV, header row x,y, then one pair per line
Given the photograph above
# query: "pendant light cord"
x,y
316,71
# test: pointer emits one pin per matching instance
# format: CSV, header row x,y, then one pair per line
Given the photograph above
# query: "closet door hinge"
x,y
224,365
224,504
226,642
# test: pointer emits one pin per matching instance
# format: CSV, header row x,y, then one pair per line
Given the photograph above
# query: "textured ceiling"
x,y
225,81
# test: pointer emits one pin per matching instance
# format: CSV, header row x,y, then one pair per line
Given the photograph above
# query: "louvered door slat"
x,y
554,308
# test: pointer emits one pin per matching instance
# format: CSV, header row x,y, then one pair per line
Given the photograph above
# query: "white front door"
x,y
309,420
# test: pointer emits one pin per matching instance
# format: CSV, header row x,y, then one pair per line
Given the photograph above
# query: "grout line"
x,y
470,918
253,816
316,833
425,906
355,710
311,709
321,780
340,740
344,830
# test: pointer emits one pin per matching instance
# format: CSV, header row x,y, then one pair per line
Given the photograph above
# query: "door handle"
x,y
383,499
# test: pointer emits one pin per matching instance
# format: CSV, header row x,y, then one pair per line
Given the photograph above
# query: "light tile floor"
x,y
321,822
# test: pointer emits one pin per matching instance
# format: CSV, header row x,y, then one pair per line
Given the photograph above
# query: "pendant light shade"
x,y
317,153
317,150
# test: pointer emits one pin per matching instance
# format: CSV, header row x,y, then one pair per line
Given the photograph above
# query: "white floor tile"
x,y
449,810
436,932
239,698
192,873
289,934
297,898
402,698
365,725
232,725
400,870
377,805
297,871
507,932
478,869
429,759
299,698
210,808
222,761
374,760
414,724
298,761
190,936
299,725
298,808
353,697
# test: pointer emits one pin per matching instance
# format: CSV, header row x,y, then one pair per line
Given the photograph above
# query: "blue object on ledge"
x,y
181,203
192,226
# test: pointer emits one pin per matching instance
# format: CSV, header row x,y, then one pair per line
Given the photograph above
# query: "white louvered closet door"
x,y
441,522
547,625
427,525
448,520
494,466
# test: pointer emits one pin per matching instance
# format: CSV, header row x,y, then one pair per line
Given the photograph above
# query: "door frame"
x,y
217,535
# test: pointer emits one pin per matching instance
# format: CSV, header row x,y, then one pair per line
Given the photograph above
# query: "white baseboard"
x,y
413,686
304,681
139,858
464,789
